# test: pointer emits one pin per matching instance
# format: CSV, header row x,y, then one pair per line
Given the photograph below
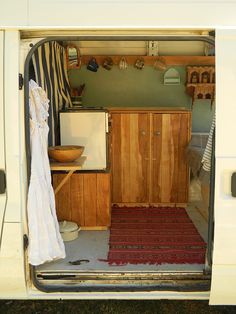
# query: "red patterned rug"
x,y
163,235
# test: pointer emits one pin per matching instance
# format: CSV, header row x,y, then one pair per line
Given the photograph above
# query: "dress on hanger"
x,y
45,242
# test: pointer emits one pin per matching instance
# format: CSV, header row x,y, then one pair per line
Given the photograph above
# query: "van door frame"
x,y
179,286
3,195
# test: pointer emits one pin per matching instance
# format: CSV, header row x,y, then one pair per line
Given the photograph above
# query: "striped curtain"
x,y
206,160
49,62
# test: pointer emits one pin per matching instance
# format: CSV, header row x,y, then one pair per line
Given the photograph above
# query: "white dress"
x,y
45,242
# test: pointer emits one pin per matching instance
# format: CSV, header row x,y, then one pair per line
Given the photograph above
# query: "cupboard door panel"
x,y
130,157
103,200
77,199
90,199
183,168
116,158
84,199
163,166
156,156
62,199
170,172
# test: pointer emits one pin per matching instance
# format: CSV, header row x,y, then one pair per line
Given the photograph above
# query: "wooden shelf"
x,y
68,166
201,82
71,167
149,60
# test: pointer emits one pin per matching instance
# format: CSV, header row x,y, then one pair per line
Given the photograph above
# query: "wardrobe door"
x,y
130,157
170,136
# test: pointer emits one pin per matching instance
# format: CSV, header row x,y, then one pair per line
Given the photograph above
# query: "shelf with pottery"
x,y
201,82
150,60
84,197
75,60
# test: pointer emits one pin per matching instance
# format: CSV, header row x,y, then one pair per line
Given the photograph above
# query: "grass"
x,y
112,307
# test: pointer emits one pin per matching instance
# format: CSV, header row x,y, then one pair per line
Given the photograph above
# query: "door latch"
x,y
21,81
2,182
233,184
25,241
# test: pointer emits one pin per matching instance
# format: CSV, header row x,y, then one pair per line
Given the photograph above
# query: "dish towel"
x,y
45,242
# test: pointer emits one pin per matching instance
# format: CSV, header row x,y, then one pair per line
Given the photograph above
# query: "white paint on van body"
x,y
13,13
2,132
223,287
132,13
122,14
148,295
84,15
12,126
12,265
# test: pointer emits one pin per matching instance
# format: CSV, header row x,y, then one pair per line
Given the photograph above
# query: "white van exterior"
x,y
53,17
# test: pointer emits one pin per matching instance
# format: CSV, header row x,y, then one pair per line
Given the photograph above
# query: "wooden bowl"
x,y
67,153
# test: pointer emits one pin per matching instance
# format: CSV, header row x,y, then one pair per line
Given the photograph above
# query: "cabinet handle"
x,y
142,132
157,133
154,159
146,158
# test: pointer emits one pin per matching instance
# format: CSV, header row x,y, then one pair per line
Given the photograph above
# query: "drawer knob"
x,y
142,132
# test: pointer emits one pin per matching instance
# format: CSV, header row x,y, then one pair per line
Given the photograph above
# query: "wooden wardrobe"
x,y
148,156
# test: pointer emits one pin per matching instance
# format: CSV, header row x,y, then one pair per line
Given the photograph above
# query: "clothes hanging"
x,y
49,62
45,242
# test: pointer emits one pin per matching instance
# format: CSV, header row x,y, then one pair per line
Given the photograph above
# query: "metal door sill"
x,y
121,282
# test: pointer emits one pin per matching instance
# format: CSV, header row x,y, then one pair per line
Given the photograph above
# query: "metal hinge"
x,y
2,181
152,48
21,81
25,241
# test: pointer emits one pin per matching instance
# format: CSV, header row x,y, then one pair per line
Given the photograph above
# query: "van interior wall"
x,y
135,88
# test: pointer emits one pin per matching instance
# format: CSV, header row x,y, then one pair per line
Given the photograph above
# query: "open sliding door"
x,y
223,287
2,139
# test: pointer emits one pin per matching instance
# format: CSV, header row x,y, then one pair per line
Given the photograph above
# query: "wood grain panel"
x,y
156,155
90,199
144,145
167,159
130,167
169,167
103,199
77,199
183,168
63,201
127,192
175,122
84,199
116,158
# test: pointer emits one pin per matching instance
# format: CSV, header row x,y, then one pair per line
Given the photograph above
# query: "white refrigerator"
x,y
88,129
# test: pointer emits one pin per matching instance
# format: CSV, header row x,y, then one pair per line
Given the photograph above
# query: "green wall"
x,y
134,88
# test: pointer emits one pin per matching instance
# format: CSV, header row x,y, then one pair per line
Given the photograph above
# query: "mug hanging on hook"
x,y
160,64
92,65
123,65
139,64
73,57
107,63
